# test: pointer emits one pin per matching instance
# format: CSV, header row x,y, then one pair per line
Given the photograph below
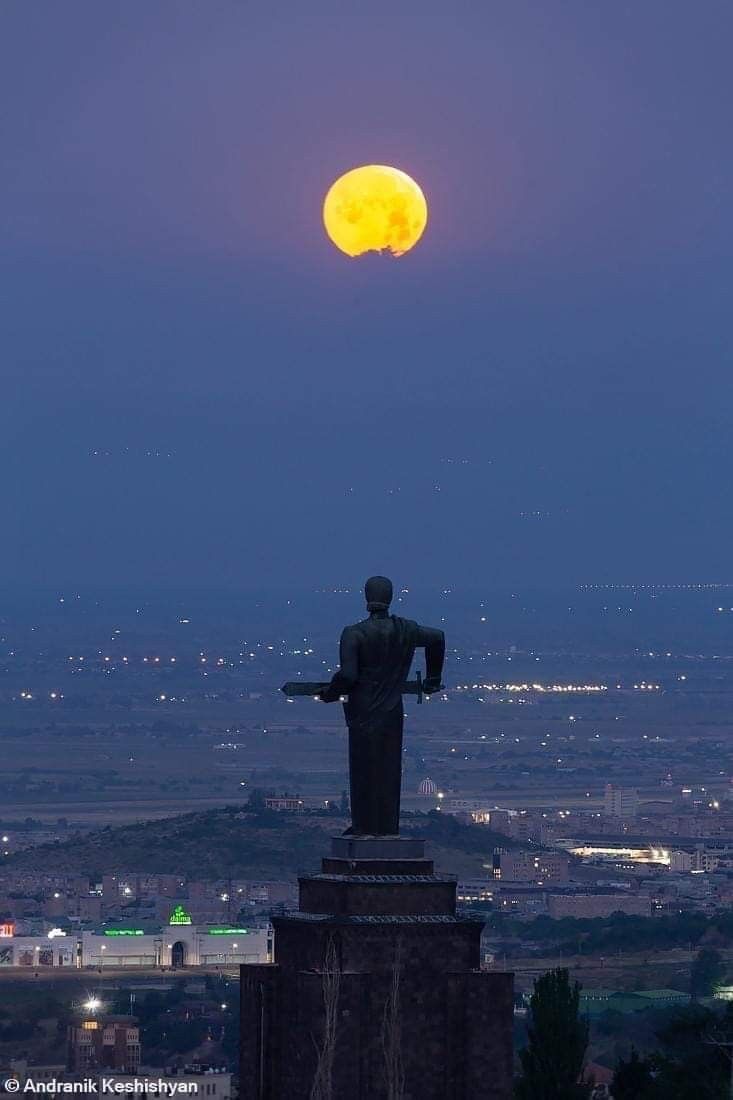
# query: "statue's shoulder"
x,y
408,626
356,628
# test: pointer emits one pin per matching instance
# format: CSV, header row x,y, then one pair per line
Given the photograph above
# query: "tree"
x,y
707,972
553,1060
691,1063
633,1080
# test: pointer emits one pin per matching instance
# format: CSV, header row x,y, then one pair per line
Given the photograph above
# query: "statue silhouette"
x,y
375,659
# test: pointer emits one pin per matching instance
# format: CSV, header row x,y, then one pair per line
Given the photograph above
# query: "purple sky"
x,y
558,342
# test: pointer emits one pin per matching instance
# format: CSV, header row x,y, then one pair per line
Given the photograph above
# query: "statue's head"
x,y
378,592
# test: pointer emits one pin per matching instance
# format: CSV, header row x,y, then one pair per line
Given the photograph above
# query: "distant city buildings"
x,y
593,905
104,1043
621,802
595,1002
529,866
474,810
700,860
285,804
37,899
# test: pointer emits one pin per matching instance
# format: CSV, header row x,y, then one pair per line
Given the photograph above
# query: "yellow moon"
x,y
375,208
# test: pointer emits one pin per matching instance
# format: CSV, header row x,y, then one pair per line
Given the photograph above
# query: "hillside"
x,y
227,842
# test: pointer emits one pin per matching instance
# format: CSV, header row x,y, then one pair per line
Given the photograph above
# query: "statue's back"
x,y
385,649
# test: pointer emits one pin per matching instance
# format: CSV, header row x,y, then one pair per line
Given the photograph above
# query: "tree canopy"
x,y
553,1060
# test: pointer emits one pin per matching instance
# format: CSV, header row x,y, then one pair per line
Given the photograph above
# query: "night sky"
x,y
540,393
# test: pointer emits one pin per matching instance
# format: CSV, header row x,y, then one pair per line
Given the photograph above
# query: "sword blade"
x,y
306,687
302,687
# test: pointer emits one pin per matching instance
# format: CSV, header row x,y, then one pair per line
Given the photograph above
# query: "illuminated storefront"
x,y
54,948
177,944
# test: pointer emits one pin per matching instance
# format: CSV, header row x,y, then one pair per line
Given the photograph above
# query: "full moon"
x,y
375,208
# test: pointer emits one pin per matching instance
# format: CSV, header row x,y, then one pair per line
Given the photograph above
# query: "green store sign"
x,y
179,916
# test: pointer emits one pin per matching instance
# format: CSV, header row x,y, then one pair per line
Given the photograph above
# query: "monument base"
x,y
376,992
377,855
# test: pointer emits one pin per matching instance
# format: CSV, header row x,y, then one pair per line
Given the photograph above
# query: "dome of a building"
x,y
427,787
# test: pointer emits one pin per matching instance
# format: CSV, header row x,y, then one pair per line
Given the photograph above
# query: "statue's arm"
x,y
348,672
433,641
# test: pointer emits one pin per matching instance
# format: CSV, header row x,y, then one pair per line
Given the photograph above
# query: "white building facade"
x,y
175,947
178,944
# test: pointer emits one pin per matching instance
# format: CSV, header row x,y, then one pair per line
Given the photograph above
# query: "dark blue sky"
x,y
558,343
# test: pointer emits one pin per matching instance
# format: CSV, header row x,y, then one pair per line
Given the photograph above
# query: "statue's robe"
x,y
375,659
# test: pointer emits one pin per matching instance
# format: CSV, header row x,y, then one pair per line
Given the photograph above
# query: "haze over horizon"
x,y
200,390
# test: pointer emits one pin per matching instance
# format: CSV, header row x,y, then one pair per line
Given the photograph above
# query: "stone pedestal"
x,y
376,991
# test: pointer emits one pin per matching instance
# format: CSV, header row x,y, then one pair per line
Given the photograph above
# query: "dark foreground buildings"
x,y
376,991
